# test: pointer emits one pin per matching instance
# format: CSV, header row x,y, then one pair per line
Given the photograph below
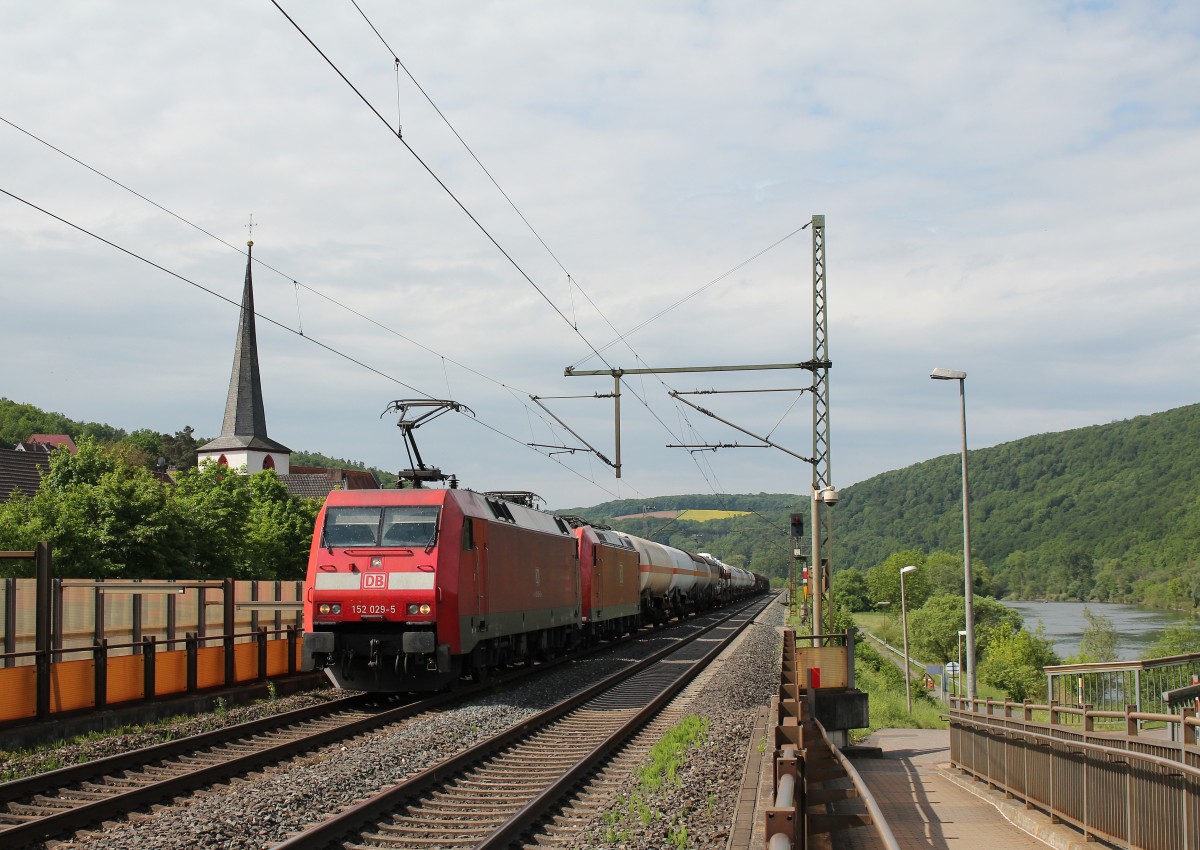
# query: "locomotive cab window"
x,y
409,526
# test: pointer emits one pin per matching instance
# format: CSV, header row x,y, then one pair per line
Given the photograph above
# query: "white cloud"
x,y
1009,190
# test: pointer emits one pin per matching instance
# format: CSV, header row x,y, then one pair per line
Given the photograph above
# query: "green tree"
x,y
279,529
103,517
179,449
141,448
1176,640
933,628
884,581
213,503
86,467
18,532
1099,640
20,421
1013,661
849,590
944,572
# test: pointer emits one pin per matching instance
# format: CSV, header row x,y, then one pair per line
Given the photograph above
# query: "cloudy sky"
x,y
1010,189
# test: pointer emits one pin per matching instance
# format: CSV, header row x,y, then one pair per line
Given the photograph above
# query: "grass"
x,y
662,768
880,624
887,705
667,756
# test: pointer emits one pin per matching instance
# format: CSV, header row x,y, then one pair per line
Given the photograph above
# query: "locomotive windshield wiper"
x,y
325,541
432,540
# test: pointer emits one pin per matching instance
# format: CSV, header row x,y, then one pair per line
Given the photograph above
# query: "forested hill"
x,y
1110,512
757,537
766,503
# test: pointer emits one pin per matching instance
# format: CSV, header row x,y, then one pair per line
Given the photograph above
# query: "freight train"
x,y
409,590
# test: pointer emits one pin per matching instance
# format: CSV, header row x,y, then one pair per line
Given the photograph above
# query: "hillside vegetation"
x,y
1106,513
748,530
142,447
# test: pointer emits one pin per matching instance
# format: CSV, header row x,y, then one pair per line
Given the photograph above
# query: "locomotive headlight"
x,y
327,608
424,608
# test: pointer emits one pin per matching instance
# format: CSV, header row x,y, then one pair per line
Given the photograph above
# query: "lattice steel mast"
x,y
822,481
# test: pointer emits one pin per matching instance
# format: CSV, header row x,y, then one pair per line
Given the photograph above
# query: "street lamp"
x,y
904,622
968,583
962,633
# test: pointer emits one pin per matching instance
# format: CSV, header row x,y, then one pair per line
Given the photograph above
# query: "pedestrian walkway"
x,y
927,804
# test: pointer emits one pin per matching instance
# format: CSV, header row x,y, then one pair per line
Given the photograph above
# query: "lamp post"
x,y
968,583
962,633
904,626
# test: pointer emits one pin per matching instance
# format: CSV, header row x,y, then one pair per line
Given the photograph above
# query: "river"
x,y
1137,628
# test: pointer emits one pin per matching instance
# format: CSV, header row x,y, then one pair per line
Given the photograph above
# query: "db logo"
x,y
374,581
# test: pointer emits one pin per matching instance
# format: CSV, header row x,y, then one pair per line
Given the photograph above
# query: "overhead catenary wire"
x,y
296,284
571,322
307,338
441,183
623,337
458,202
571,283
213,292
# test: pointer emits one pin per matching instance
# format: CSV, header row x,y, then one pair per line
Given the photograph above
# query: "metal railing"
x,y
1115,684
805,760
1137,789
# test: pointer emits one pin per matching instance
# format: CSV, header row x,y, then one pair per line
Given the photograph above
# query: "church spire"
x,y
244,429
245,415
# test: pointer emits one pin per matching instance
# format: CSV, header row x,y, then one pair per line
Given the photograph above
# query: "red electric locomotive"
x,y
608,571
409,589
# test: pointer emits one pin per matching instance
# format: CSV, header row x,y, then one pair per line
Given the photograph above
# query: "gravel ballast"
x,y
697,810
264,808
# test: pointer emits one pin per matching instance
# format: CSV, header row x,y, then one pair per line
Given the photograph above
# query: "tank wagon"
x,y
409,590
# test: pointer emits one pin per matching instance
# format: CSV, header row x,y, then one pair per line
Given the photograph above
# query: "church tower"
x,y
244,440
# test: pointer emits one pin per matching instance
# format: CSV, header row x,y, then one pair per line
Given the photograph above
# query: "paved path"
x,y
928,805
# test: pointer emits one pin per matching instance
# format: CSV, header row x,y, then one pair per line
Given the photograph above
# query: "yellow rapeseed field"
x,y
705,516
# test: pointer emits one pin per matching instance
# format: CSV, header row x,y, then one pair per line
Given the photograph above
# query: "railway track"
x,y
493,794
55,804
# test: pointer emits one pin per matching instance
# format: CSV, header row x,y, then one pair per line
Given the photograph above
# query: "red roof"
x,y
349,479
47,443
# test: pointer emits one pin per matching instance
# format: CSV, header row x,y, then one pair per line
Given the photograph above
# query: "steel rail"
x,y
334,829
532,812
64,776
118,804
121,803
